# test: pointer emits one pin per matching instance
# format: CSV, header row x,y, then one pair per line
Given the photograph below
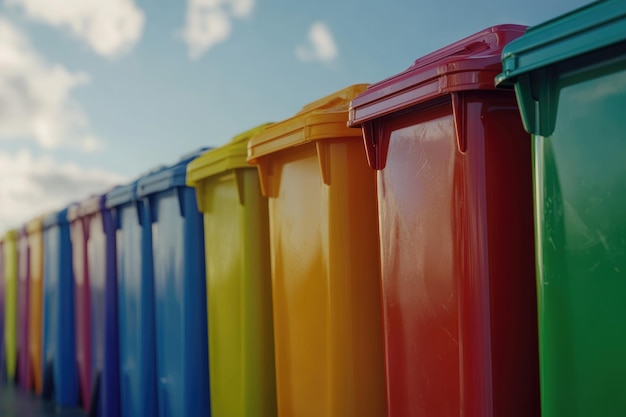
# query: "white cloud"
x,y
109,27
208,22
321,47
32,186
35,99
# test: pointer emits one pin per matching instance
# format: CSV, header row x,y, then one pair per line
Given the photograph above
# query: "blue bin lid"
x,y
167,177
121,194
56,218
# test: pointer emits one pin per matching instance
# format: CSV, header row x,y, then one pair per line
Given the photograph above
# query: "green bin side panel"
x,y
239,291
10,307
580,185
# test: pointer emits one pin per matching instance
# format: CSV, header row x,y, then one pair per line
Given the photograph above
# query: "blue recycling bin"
x,y
95,273
179,291
135,302
60,374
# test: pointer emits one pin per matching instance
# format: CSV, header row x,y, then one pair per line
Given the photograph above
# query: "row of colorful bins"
x,y
303,243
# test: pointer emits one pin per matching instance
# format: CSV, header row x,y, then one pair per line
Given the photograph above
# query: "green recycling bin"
x,y
569,75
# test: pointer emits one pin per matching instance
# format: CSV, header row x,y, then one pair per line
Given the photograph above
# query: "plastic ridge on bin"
x,y
239,282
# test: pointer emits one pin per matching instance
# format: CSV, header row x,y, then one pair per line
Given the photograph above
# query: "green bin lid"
x,y
584,30
227,157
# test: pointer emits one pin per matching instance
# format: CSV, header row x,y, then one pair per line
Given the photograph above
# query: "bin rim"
x,y
231,155
468,64
588,28
120,195
167,177
324,118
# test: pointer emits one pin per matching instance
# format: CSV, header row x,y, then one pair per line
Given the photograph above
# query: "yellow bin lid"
x,y
229,156
9,235
35,225
325,118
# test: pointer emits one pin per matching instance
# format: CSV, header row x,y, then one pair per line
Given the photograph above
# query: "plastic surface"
x,y
455,204
577,122
137,352
9,260
60,376
239,282
2,358
35,306
24,374
180,306
324,257
95,282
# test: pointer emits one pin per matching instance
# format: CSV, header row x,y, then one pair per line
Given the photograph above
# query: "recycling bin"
x,y
569,75
135,300
9,270
324,259
2,359
24,375
60,377
180,306
455,220
238,280
34,229
95,283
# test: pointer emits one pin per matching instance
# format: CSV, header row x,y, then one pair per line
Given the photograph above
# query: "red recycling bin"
x,y
456,226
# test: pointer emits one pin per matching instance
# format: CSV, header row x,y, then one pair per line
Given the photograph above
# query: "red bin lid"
x,y
469,64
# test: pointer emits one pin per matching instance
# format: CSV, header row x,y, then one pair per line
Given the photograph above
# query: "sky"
x,y
94,93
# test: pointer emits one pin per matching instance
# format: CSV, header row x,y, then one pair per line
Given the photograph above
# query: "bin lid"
x,y
56,218
168,176
86,207
322,119
9,235
35,225
468,64
121,194
230,156
589,28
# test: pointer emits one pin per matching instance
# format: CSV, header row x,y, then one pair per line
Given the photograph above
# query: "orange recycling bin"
x,y
35,330
324,260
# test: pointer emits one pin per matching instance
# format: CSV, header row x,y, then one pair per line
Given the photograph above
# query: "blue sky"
x,y
96,92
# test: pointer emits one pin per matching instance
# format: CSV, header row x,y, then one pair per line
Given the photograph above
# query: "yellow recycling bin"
x,y
325,262
9,247
239,288
35,330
